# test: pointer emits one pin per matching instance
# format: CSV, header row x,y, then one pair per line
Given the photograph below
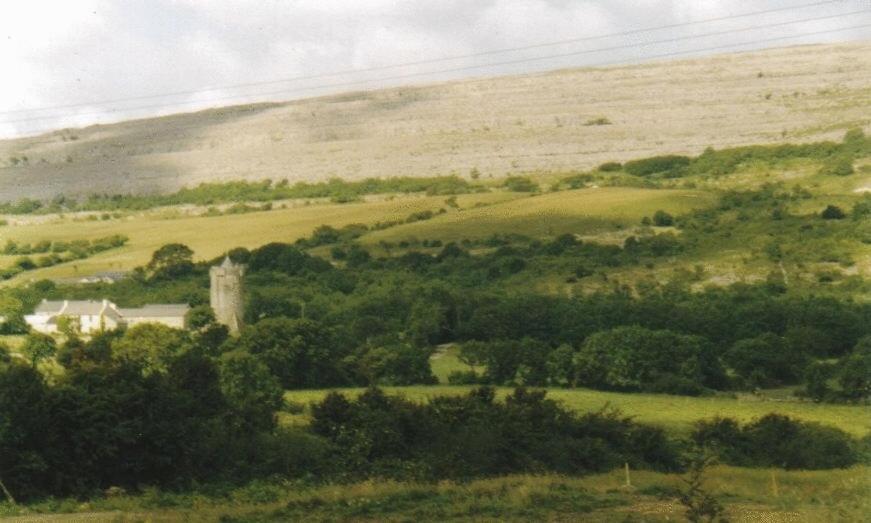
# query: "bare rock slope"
x,y
561,120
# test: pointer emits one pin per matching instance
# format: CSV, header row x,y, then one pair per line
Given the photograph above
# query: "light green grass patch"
x,y
211,236
674,413
582,211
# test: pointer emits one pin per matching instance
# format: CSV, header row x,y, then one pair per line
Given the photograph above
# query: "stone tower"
x,y
226,294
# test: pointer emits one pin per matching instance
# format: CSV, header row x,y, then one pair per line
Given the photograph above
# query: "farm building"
x,y
89,316
104,277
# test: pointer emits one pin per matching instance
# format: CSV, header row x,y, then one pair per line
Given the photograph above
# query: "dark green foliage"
x,y
777,441
38,347
474,435
700,504
832,212
854,374
838,167
284,258
171,261
393,364
235,192
520,184
327,235
608,167
816,377
105,422
638,359
24,417
300,353
60,252
669,166
250,390
662,219
510,362
199,317
765,360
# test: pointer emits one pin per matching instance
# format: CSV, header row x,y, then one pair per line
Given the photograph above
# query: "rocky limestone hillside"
x,y
561,120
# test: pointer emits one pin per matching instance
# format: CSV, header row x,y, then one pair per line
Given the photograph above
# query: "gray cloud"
x,y
90,51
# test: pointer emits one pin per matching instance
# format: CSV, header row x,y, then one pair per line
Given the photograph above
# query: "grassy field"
x,y
674,413
211,236
748,495
583,211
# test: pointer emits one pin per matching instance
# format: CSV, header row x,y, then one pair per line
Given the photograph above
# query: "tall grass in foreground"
x,y
748,495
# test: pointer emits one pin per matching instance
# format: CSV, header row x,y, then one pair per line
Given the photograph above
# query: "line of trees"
x,y
336,189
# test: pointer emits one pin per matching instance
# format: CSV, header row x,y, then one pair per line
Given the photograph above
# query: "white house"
x,y
90,316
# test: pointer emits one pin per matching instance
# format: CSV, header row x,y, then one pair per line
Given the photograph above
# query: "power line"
x,y
493,64
627,61
429,61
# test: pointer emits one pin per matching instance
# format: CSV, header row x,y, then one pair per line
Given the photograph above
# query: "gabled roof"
x,y
177,310
82,308
49,307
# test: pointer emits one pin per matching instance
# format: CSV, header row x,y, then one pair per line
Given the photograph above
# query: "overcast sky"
x,y
92,53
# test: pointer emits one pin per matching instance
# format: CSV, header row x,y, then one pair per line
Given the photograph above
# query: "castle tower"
x,y
226,294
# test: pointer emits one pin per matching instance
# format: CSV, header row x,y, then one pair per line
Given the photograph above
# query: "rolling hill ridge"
x,y
555,121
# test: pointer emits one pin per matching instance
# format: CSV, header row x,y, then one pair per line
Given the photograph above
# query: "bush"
x,y
598,121
832,212
475,435
668,165
777,441
838,167
662,219
854,373
520,184
608,167
765,360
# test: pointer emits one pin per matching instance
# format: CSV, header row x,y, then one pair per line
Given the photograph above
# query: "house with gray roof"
x,y
90,316
171,315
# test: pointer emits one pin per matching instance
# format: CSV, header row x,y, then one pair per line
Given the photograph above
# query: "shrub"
x,y
598,121
832,212
777,441
662,219
520,184
765,360
854,374
670,165
838,167
25,264
474,435
608,167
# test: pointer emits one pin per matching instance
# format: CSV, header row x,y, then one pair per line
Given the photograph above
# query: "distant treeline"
x,y
837,159
337,190
55,252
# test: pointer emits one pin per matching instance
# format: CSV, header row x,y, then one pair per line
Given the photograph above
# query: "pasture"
x,y
674,413
585,211
210,236
582,211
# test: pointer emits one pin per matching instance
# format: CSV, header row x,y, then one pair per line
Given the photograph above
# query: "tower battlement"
x,y
226,294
